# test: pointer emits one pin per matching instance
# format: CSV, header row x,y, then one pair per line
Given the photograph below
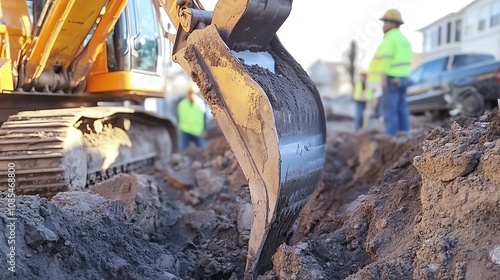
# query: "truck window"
x,y
432,69
463,60
416,75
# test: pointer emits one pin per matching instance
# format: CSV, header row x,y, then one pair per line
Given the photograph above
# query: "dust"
x,y
421,206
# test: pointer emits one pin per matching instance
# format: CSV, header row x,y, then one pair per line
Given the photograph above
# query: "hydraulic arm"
x,y
58,38
267,107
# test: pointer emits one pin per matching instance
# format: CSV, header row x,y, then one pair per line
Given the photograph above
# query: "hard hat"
x,y
192,88
392,15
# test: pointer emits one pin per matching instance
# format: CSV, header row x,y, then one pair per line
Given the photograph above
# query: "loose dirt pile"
x,y
424,206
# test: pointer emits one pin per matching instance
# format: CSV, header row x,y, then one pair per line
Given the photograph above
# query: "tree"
x,y
351,56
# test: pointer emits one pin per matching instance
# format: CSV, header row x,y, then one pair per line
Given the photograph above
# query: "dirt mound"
x,y
434,214
81,236
423,206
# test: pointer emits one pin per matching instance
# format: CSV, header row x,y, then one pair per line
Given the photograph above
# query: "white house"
x,y
473,29
331,78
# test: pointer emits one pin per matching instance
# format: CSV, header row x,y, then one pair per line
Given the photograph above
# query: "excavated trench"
x,y
421,206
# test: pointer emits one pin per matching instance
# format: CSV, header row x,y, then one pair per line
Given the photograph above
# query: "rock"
x,y
77,203
209,183
219,163
229,154
203,222
196,165
453,165
176,159
182,179
495,255
37,236
165,262
121,187
293,263
244,220
146,213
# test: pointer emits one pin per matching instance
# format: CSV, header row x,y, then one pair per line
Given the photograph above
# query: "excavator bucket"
x,y
269,111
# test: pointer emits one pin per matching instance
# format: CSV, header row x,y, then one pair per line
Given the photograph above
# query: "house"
x,y
473,29
331,78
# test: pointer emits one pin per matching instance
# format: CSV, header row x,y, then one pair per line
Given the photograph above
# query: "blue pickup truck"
x,y
461,84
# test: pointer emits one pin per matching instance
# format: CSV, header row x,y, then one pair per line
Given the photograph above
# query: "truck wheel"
x,y
471,104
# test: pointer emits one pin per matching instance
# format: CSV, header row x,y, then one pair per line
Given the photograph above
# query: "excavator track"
x,y
72,149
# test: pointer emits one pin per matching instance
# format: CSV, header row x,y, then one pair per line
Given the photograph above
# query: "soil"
x,y
419,206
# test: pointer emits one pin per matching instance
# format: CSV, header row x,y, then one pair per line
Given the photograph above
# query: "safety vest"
x,y
192,116
375,71
359,94
394,54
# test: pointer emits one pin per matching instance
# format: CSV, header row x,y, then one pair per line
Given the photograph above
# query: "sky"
x,y
322,29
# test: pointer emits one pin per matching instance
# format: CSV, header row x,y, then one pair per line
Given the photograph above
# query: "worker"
x,y
393,58
375,84
191,117
362,94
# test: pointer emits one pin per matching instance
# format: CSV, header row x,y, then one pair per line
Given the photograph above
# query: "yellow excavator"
x,y
59,59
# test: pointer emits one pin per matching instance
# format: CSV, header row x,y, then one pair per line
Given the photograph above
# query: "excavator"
x,y
59,60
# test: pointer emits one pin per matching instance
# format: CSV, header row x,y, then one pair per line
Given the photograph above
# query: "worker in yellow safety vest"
x,y
393,59
362,95
191,119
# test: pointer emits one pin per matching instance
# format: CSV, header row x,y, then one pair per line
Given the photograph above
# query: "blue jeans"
x,y
358,116
187,138
394,108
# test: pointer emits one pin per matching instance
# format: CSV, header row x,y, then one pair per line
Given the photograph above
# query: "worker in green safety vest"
x,y
393,58
361,95
191,119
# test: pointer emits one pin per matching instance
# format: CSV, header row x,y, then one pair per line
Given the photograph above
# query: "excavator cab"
x,y
133,60
135,55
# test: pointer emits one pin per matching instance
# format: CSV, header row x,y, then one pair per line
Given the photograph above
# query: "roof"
x,y
438,20
448,16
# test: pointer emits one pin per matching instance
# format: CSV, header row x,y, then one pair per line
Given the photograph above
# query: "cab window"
x,y
433,69
460,61
145,55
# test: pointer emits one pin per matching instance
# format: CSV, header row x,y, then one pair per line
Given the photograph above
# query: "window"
x,y
448,32
432,69
428,41
458,30
117,46
439,36
460,61
30,8
416,75
469,24
146,43
495,14
433,38
483,17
